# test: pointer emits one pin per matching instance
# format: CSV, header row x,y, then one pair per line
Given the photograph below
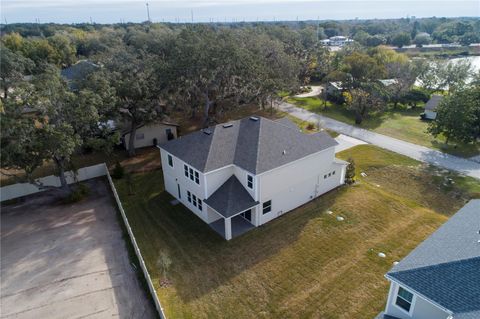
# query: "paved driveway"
x,y
415,151
67,261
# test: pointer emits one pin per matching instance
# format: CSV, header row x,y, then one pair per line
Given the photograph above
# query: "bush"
x,y
350,173
118,171
310,126
79,192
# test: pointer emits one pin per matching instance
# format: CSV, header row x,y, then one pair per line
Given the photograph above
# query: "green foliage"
x,y
78,193
458,116
401,39
350,172
118,171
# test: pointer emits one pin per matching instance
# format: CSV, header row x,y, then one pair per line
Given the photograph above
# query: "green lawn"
x,y
402,124
304,264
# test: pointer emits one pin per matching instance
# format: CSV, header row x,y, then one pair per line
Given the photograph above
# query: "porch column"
x,y
228,228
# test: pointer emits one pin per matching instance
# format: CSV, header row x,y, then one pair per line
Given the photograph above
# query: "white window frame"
x,y
191,174
170,160
263,207
248,182
412,304
189,196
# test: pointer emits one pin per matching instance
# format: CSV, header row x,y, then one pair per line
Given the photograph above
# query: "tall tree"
x,y
64,121
458,116
132,75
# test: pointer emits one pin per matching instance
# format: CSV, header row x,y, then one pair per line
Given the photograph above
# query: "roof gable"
x,y
231,198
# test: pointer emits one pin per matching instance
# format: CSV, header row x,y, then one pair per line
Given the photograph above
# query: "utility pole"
x,y
148,12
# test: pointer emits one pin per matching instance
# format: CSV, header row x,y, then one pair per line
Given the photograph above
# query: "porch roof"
x,y
231,198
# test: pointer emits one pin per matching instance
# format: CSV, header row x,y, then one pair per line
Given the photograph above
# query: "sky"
x,y
112,11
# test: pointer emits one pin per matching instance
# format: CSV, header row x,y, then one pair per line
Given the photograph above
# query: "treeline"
x,y
146,72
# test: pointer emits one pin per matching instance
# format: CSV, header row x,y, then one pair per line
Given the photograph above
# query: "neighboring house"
x,y
440,279
242,174
151,134
431,107
335,90
78,72
337,41
388,82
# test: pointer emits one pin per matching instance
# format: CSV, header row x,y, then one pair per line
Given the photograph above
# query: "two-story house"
x,y
242,174
440,279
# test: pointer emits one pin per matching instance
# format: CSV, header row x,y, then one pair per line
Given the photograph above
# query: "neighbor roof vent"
x,y
253,118
284,152
227,125
207,131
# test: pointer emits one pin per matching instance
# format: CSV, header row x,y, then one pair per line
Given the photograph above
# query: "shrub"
x,y
79,192
118,171
350,173
310,126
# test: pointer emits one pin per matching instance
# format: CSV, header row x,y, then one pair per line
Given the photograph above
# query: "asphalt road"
x,y
418,152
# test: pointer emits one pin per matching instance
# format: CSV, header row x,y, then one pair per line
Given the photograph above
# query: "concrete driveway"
x,y
316,91
418,152
67,261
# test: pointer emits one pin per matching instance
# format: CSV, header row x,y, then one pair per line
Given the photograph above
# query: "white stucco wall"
x,y
158,131
295,184
421,308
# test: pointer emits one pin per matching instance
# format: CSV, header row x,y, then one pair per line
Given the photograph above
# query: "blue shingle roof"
x,y
445,268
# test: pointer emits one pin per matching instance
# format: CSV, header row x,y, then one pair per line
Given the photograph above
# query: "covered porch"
x,y
236,225
234,208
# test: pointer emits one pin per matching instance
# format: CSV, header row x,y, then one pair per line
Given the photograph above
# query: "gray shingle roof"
x,y
256,146
433,102
288,122
231,198
445,268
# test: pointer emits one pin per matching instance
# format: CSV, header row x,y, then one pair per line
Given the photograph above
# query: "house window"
x,y
194,200
250,181
189,196
333,173
267,207
170,160
324,176
329,174
199,204
404,299
191,173
197,178
190,170
140,136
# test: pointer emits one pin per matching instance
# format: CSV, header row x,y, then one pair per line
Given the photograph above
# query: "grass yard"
x,y
304,264
402,124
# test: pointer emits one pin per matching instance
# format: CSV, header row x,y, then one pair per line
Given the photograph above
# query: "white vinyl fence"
x,y
24,189
135,247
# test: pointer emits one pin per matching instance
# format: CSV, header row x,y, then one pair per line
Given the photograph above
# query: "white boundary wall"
x,y
24,189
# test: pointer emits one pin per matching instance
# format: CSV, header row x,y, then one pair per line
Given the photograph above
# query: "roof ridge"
x,y
435,265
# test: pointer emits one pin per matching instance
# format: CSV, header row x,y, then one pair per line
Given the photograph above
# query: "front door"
x,y
247,215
